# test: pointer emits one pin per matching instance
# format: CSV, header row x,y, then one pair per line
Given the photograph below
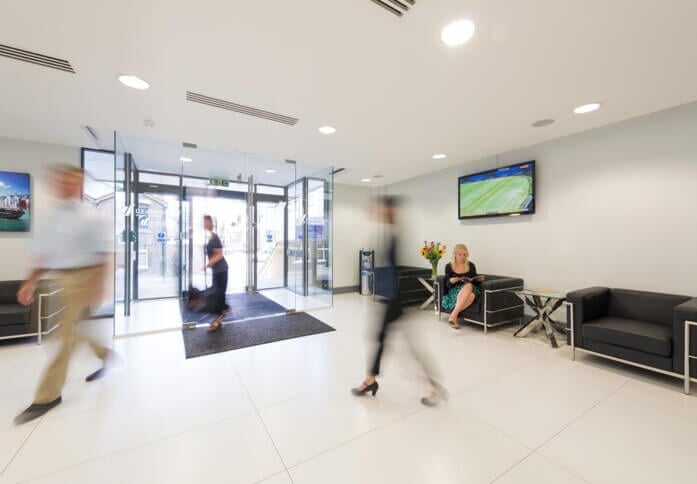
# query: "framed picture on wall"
x,y
15,202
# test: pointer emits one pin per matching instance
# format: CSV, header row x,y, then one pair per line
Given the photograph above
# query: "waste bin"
x,y
366,267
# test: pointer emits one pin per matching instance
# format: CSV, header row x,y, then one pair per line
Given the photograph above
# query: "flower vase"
x,y
434,269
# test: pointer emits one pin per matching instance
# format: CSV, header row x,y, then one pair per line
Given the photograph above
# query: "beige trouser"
x,y
81,289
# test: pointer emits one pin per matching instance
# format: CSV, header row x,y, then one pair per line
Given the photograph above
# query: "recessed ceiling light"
x,y
542,122
327,130
134,82
458,32
587,108
270,171
185,159
439,156
365,180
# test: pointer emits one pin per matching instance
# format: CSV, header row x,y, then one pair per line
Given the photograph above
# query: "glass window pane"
x,y
158,179
270,190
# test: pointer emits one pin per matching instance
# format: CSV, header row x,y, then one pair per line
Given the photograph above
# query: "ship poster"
x,y
15,202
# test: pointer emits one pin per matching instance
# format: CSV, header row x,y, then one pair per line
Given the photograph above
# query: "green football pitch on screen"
x,y
497,195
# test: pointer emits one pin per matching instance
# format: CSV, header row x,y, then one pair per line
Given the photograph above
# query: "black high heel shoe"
x,y
372,388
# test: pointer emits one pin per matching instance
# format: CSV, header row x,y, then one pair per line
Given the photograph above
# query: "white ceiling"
x,y
395,93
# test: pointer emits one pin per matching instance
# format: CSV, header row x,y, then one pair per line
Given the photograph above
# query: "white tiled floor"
x,y
520,412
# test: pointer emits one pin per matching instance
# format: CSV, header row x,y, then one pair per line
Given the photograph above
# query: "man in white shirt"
x,y
73,244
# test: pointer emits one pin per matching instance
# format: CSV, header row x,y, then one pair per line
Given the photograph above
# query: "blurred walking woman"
x,y
216,262
461,282
386,212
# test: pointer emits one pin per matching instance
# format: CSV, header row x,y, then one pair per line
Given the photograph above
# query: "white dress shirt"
x,y
73,236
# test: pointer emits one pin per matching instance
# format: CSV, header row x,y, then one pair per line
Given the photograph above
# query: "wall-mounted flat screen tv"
x,y
14,202
504,191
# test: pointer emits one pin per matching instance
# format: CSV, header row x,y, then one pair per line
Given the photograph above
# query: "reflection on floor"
x,y
290,299
148,316
519,412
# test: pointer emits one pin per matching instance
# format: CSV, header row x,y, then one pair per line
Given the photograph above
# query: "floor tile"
x,y
440,445
282,478
236,450
539,400
305,426
624,439
11,441
536,469
100,432
279,371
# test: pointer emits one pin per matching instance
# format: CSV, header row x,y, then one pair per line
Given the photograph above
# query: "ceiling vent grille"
x,y
239,108
397,7
34,58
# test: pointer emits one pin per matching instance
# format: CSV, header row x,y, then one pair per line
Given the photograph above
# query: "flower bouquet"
x,y
433,252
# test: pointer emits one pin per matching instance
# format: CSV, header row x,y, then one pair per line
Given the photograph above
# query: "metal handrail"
x,y
40,318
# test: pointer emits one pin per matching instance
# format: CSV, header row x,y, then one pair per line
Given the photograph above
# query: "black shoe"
x,y
36,410
107,365
372,388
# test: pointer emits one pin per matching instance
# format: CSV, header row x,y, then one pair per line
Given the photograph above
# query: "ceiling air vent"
x,y
193,146
397,7
239,108
34,58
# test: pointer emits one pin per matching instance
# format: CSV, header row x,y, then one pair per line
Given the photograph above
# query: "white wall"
x,y
616,206
29,157
353,230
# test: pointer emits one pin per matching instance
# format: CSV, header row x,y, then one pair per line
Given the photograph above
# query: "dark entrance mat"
x,y
233,336
242,306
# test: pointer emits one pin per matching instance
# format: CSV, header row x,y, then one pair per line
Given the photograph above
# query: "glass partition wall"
x,y
273,217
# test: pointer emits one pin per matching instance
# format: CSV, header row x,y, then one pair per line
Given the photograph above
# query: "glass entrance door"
x,y
309,253
229,214
295,236
157,257
270,244
319,236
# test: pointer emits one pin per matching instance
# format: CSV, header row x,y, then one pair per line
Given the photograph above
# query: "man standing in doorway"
x,y
73,244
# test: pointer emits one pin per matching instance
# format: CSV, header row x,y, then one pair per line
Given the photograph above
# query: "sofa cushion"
x,y
653,307
8,291
13,314
639,335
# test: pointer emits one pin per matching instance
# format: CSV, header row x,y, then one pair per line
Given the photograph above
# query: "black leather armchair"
x,y
14,318
686,311
497,304
644,329
17,321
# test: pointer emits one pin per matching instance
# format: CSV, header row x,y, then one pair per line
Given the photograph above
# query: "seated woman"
x,y
461,281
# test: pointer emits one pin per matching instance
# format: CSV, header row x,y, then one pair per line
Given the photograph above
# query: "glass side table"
x,y
433,286
544,303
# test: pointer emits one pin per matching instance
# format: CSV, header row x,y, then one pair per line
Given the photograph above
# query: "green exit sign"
x,y
219,182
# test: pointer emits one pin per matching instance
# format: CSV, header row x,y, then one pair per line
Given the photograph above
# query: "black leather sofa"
x,y
14,318
644,329
497,304
411,291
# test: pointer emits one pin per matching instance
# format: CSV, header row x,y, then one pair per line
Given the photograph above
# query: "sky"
x,y
11,183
